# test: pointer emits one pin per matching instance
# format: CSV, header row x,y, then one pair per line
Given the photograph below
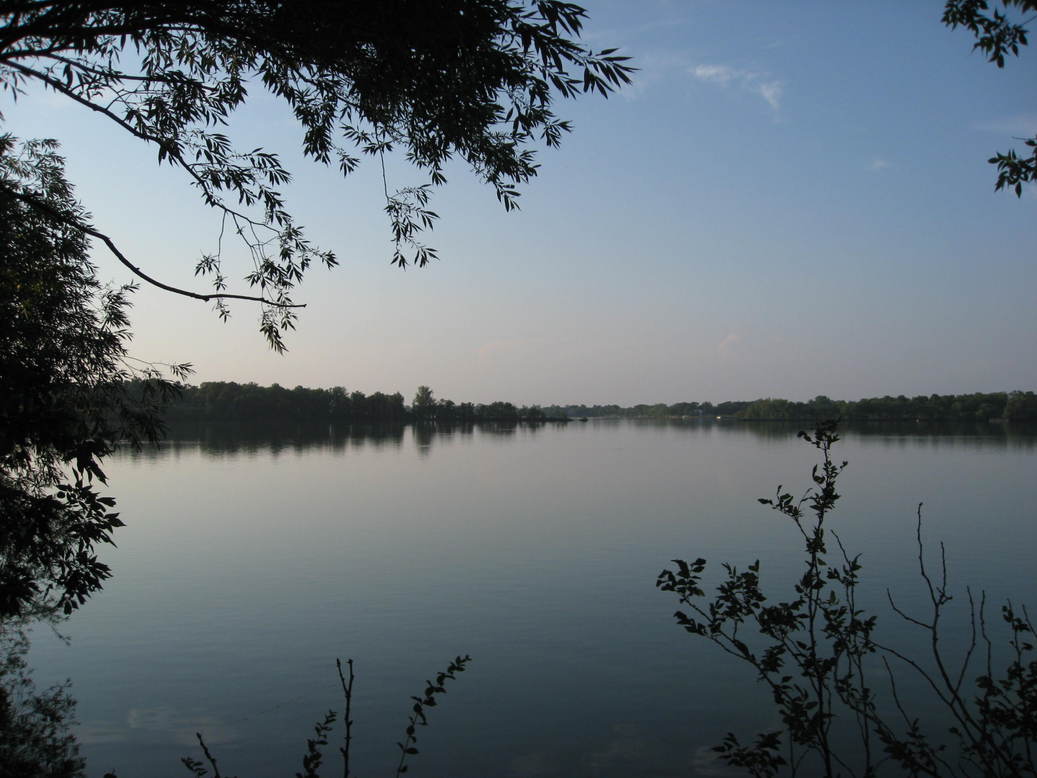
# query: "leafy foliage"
x,y
817,652
436,79
1013,170
35,741
65,398
418,718
998,36
314,757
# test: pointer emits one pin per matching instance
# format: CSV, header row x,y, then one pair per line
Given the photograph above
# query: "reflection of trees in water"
x,y
227,440
961,434
373,436
965,435
35,726
236,439
500,429
423,435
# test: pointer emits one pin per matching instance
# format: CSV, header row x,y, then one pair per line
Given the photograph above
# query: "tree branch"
x,y
211,198
53,213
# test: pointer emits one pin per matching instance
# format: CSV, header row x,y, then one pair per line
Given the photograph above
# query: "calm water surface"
x,y
249,565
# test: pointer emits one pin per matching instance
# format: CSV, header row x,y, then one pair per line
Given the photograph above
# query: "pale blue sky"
x,y
792,199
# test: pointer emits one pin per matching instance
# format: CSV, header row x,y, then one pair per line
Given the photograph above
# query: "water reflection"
x,y
236,440
423,435
961,434
253,557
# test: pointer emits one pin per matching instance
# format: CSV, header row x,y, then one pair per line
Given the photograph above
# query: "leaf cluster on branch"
x,y
818,653
997,35
435,79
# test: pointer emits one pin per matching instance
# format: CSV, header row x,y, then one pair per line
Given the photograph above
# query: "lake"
x,y
248,564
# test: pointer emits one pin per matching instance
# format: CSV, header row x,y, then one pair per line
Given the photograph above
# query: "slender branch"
x,y
57,86
972,640
347,691
211,198
208,755
156,78
76,224
897,610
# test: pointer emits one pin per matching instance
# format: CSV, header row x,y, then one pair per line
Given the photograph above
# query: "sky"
x,y
791,199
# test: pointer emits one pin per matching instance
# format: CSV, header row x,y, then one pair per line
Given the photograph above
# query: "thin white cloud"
x,y
715,74
878,163
760,84
771,92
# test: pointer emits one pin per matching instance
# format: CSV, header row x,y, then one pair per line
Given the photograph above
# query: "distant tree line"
x,y
249,402
1010,406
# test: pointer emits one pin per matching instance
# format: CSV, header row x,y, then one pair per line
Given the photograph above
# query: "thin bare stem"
x,y
347,692
208,756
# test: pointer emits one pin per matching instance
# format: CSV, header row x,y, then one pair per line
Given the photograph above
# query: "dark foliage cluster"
x,y
436,79
35,737
997,36
818,652
66,395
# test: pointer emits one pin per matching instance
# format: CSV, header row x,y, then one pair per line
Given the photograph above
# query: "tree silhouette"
x,y
437,79
998,36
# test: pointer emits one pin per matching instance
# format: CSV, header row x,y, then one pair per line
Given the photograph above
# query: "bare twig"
x,y
347,691
209,757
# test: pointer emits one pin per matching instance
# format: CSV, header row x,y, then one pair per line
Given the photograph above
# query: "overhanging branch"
x,y
168,149
43,207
